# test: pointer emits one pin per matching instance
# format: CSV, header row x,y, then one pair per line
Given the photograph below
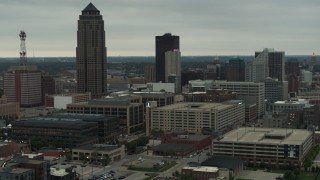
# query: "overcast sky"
x,y
205,27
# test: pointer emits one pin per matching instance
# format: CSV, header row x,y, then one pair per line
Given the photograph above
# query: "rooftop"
x,y
98,147
53,122
185,106
203,169
171,147
90,8
267,136
190,137
14,170
223,162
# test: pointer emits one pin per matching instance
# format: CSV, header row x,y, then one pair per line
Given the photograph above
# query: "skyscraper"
x,y
173,68
235,69
91,52
275,63
164,43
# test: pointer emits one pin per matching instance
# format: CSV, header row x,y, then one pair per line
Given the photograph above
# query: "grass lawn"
x,y
307,176
162,169
152,175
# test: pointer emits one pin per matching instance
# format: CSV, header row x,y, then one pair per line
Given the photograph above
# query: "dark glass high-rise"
x,y
167,42
91,53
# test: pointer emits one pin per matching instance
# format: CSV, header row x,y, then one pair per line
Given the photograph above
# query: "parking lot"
x,y
257,175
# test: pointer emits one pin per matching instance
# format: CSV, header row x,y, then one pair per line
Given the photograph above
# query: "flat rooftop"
x,y
185,106
203,169
98,147
190,137
266,136
52,122
14,170
171,147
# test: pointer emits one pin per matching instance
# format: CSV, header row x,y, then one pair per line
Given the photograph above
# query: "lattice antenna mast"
x,y
23,50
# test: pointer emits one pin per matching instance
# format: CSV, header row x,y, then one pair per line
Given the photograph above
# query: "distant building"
x,y
274,120
11,148
235,70
275,90
246,91
200,85
91,52
163,87
173,68
150,73
47,85
23,84
9,110
280,106
162,98
194,117
306,77
267,63
211,95
192,74
60,101
164,43
269,146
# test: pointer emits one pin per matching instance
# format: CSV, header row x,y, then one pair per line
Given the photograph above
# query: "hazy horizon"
x,y
206,27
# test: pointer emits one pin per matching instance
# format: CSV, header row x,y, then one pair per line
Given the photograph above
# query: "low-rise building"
x,y
233,164
9,173
128,108
210,95
62,172
201,172
271,146
96,152
60,101
68,131
200,141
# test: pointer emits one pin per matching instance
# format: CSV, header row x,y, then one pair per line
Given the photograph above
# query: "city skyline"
x,y
206,27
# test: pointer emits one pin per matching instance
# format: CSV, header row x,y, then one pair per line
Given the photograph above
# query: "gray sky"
x,y
205,27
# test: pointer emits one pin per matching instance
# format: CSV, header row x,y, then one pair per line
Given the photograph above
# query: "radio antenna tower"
x,y
23,50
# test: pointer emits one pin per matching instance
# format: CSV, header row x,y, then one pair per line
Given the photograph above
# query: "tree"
x,y
105,160
68,156
288,175
82,156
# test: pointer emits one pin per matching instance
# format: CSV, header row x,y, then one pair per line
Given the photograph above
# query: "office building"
x,y
211,95
195,117
280,106
91,52
267,63
292,67
306,77
191,74
275,63
99,151
162,98
269,146
235,70
60,101
69,131
129,109
47,85
164,43
200,85
23,84
173,68
275,90
9,110
163,87
150,73
247,91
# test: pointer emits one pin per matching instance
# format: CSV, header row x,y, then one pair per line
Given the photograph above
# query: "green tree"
x,y
68,156
288,175
105,160
82,156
